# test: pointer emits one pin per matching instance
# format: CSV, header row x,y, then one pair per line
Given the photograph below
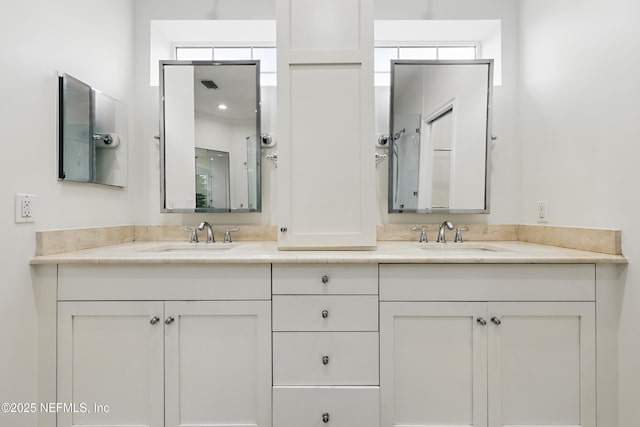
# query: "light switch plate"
x,y
24,208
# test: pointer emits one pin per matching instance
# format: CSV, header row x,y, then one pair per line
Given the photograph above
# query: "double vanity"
x,y
483,333
514,330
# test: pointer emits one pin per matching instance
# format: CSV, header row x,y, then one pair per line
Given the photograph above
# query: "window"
x,y
266,55
384,55
194,53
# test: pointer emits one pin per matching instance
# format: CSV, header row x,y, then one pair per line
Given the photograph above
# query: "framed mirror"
x,y
440,127
92,134
210,136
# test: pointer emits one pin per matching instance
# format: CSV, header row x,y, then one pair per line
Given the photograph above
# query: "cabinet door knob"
x,y
283,229
169,320
325,360
325,417
154,320
325,279
325,314
481,321
496,321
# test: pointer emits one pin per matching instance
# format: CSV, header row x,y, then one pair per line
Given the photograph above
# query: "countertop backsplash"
x,y
607,241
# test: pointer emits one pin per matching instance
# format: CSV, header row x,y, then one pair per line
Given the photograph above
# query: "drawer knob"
x,y
169,320
325,417
325,314
325,360
481,321
154,320
496,321
325,279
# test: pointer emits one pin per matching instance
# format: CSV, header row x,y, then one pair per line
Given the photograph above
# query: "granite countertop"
x,y
480,252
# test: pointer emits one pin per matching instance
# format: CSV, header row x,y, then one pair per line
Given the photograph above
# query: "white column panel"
x,y
325,124
325,25
324,129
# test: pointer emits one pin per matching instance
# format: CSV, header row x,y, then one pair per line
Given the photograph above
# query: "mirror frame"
x,y
163,204
488,136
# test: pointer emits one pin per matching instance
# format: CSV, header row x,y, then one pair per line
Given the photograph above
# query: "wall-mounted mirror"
x,y
92,134
210,136
440,132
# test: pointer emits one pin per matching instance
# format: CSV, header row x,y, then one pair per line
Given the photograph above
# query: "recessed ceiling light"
x,y
222,106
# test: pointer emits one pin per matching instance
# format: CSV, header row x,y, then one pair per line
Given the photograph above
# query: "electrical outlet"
x,y
543,211
24,207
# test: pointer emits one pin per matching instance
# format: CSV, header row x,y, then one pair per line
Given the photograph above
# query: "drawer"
x,y
319,406
352,358
325,279
487,282
325,313
164,282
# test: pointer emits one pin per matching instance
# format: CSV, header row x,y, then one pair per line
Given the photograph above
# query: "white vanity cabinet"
x,y
165,346
487,345
339,344
325,345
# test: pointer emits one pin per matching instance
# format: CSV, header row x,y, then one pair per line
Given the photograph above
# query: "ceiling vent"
x,y
209,84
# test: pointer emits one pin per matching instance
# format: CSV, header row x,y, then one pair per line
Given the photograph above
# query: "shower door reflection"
x,y
406,158
212,179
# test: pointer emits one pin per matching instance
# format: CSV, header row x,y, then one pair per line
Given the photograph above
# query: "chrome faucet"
x,y
441,237
423,233
202,226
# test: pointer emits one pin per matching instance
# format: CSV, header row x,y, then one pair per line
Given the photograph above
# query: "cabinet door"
x,y
218,363
542,364
110,364
326,167
433,366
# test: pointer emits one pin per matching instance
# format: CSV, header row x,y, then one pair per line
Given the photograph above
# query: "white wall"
x,y
579,110
37,39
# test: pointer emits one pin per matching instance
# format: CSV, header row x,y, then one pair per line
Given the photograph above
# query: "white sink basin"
x,y
191,248
467,247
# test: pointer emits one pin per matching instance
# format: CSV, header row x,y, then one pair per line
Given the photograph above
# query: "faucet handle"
x,y
423,233
194,234
459,230
227,234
